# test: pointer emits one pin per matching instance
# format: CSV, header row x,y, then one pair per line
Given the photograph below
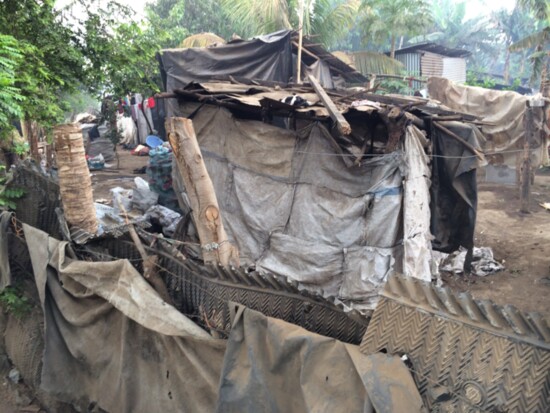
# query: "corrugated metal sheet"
x,y
411,61
431,64
454,68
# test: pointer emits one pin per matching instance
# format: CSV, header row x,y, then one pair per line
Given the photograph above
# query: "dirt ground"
x,y
110,177
520,241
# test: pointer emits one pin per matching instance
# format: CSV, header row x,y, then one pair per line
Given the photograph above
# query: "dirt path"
x,y
521,241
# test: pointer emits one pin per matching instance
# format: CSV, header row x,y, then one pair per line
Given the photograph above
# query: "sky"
x,y
474,8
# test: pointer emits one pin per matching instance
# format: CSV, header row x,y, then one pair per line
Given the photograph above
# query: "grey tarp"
x,y
294,208
503,110
110,340
288,369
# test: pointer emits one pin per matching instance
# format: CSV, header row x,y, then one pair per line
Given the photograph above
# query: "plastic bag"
x,y
143,198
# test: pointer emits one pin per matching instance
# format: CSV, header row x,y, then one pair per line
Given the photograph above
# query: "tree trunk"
x,y
392,51
206,212
75,184
507,67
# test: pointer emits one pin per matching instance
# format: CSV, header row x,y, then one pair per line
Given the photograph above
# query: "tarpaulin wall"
x,y
504,111
112,344
294,208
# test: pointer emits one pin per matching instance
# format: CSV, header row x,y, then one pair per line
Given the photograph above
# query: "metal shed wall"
x,y
454,68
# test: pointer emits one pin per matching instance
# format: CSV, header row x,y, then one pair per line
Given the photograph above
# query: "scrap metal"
x,y
467,355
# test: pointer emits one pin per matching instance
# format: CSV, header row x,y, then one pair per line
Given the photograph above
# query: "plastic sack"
x,y
143,198
167,218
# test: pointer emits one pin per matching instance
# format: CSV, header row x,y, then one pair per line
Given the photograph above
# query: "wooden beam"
x,y
342,124
453,135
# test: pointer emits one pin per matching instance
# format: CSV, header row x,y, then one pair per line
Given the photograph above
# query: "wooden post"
x,y
342,124
525,170
206,212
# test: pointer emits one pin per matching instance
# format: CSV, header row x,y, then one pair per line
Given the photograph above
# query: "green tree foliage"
x,y
47,54
330,20
10,96
181,18
388,20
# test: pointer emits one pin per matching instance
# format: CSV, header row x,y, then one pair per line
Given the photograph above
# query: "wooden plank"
x,y
342,124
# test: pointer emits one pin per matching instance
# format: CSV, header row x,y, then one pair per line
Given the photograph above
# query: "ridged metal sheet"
x,y
431,64
203,292
467,355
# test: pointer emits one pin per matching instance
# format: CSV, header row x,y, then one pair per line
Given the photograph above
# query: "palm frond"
x,y
533,40
368,62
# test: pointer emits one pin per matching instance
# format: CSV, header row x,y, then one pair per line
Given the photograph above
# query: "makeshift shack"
x,y
324,191
336,207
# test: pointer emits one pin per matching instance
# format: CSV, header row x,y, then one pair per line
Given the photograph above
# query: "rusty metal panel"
x,y
466,355
431,64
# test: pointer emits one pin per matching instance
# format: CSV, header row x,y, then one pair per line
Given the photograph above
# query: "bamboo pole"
x,y
200,190
75,183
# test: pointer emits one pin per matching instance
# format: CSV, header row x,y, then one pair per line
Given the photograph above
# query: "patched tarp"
x,y
112,343
288,369
504,111
294,208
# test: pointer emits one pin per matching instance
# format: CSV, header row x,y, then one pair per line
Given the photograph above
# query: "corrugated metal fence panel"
x,y
411,61
431,64
454,68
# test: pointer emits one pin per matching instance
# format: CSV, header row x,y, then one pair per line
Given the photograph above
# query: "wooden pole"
x,y
200,190
300,40
525,171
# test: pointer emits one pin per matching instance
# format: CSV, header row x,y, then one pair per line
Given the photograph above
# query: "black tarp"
x,y
266,57
453,191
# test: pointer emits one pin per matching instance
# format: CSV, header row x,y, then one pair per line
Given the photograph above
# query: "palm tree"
x,y
450,28
328,19
540,40
390,19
